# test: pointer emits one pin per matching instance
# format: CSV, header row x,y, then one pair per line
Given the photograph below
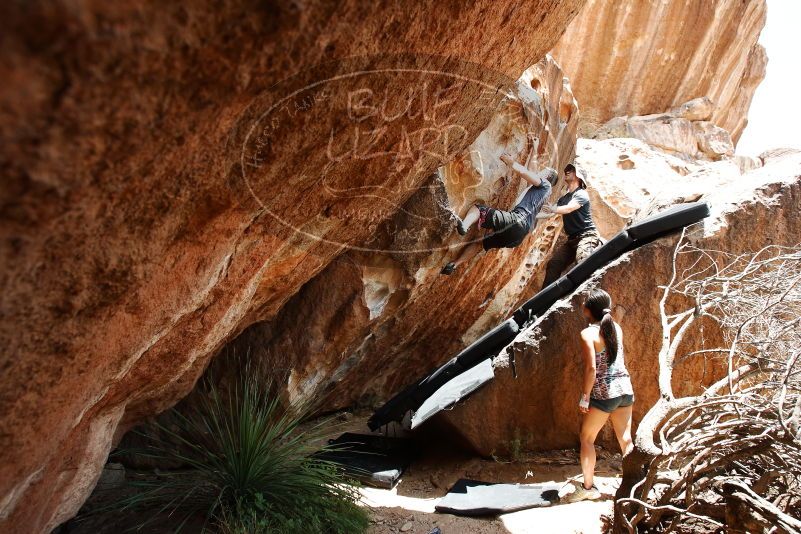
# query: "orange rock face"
x,y
175,173
629,57
533,401
379,317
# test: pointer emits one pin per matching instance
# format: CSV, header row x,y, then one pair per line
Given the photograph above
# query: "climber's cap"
x,y
580,174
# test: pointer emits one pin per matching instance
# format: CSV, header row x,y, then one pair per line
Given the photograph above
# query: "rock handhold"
x,y
697,109
713,141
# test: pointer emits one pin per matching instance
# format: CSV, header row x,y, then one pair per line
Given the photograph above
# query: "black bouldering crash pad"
x,y
539,303
453,391
411,397
639,233
669,220
372,459
488,346
601,256
474,498
395,408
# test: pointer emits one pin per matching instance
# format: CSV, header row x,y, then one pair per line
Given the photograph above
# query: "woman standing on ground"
x,y
606,387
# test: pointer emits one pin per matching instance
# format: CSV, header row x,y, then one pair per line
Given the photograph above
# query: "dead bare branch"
x,y
729,456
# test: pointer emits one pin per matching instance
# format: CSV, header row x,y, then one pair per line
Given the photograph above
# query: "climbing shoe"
x,y
582,494
448,269
460,227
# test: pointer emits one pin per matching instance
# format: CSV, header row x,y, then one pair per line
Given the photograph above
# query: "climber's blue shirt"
x,y
532,201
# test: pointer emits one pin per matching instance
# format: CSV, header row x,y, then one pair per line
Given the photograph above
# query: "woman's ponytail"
x,y
609,333
600,305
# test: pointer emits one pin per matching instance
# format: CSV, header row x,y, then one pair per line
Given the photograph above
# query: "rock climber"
x,y
580,236
606,391
508,228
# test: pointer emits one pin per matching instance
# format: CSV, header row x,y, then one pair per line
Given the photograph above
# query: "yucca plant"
x,y
249,468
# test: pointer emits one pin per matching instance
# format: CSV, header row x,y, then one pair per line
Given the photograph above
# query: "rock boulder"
x,y
674,132
697,109
630,57
631,179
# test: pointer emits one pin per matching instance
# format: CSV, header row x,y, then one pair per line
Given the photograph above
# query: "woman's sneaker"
x,y
583,494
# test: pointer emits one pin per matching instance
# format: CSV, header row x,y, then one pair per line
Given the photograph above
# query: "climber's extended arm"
x,y
532,154
531,177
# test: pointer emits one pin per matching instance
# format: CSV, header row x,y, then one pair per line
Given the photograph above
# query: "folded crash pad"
x,y
668,220
394,409
471,497
374,460
454,390
600,257
410,398
488,345
637,234
539,303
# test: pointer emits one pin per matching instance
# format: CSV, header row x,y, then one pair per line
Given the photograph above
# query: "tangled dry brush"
x,y
728,458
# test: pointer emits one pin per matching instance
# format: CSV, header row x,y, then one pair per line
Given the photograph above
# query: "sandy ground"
x,y
409,507
573,518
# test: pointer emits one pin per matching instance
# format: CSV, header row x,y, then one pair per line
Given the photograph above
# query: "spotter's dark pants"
x,y
569,250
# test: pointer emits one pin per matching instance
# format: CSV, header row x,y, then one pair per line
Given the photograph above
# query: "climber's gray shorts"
x,y
509,228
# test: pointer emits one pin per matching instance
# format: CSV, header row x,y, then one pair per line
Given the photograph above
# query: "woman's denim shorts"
x,y
610,405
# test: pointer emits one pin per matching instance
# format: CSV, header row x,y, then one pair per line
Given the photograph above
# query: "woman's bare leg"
x,y
621,422
593,422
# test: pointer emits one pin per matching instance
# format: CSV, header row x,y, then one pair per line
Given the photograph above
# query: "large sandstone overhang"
x,y
144,224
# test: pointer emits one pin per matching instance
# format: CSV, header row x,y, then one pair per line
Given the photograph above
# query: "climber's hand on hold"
x,y
533,178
